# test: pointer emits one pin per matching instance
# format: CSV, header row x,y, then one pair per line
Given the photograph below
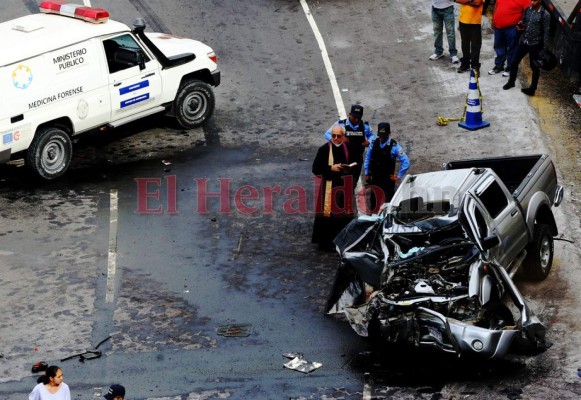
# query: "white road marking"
x,y
334,86
328,66
111,266
342,115
367,383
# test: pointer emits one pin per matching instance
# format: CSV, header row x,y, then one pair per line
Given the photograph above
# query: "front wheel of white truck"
x,y
194,104
50,153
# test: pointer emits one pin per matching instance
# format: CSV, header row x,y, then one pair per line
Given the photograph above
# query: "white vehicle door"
x,y
134,77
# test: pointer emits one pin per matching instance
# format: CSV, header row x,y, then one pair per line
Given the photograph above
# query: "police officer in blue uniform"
x,y
380,167
358,134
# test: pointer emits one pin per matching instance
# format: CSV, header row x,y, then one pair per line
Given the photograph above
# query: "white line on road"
x,y
328,66
367,383
111,266
331,74
342,115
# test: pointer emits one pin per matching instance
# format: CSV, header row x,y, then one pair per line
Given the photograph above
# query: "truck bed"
x,y
514,171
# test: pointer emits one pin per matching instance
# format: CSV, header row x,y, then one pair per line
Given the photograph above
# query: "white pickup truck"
x,y
70,69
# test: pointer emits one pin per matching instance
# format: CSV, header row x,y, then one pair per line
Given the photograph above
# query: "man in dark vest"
x,y
358,135
380,167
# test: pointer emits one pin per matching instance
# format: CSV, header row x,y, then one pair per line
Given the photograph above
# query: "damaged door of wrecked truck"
x,y
490,211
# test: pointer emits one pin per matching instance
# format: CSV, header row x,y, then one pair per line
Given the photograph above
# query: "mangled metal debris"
x,y
434,268
426,284
298,363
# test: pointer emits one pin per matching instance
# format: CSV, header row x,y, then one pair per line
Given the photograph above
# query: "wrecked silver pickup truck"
x,y
435,267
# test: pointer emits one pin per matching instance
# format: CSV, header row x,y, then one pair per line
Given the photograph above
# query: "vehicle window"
x,y
493,199
122,52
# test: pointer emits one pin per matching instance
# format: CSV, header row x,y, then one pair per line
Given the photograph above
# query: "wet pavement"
x,y
182,274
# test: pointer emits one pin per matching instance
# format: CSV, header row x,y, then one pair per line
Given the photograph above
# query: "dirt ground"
x,y
560,120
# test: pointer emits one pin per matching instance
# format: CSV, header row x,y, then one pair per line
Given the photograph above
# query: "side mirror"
x,y
489,242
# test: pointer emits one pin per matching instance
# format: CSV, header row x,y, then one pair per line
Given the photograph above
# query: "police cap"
x,y
383,128
357,110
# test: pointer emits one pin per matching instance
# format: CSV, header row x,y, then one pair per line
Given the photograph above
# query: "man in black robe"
x,y
334,205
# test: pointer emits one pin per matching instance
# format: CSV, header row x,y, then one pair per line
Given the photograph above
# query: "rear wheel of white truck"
x,y
194,104
539,260
50,153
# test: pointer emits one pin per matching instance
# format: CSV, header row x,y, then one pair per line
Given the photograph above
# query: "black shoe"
x,y
462,68
508,85
528,91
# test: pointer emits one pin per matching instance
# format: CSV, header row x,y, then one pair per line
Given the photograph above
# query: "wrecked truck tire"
x,y
50,153
194,104
539,260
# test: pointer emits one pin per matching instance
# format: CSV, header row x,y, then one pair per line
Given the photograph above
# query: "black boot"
x,y
508,85
528,91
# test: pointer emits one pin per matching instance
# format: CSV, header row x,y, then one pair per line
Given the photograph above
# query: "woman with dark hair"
x,y
51,386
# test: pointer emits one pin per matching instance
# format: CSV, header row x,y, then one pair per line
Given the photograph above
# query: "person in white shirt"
x,y
51,386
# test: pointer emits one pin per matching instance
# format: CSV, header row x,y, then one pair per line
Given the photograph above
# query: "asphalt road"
x,y
182,273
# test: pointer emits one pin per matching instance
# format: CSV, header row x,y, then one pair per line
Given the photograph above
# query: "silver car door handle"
x,y
150,74
117,84
513,212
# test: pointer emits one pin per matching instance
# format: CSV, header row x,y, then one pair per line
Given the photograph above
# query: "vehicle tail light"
x,y
212,56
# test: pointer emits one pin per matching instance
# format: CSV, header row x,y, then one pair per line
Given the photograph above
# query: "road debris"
x,y
298,363
88,354
237,251
234,330
39,367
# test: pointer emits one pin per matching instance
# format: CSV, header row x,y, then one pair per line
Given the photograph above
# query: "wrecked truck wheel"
x,y
194,104
50,153
539,260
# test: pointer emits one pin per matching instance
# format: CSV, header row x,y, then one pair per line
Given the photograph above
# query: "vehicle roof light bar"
x,y
89,14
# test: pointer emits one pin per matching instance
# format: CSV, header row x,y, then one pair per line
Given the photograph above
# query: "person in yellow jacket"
x,y
470,34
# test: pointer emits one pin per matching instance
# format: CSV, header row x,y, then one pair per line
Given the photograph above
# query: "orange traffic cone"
x,y
473,112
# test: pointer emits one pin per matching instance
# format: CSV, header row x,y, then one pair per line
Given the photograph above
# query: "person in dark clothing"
x,y
380,167
534,38
116,392
358,135
470,27
334,166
